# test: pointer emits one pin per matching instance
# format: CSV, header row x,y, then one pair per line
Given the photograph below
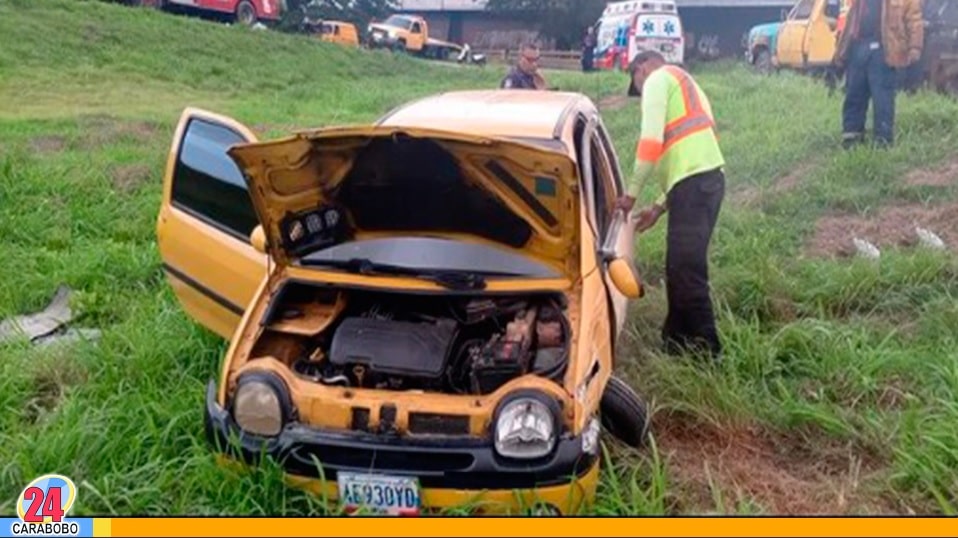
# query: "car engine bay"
x,y
433,343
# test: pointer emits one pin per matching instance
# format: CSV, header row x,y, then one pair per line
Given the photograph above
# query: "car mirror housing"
x,y
258,238
625,276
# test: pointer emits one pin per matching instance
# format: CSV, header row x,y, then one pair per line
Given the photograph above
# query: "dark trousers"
x,y
869,77
587,59
693,207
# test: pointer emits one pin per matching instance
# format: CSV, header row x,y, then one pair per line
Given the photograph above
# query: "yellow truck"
x,y
804,40
409,33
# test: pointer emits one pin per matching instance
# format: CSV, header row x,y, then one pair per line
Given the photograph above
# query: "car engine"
x,y
439,344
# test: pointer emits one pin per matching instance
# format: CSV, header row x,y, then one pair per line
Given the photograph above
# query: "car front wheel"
x,y
623,413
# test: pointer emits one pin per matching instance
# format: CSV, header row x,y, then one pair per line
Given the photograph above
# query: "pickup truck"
x,y
803,41
409,33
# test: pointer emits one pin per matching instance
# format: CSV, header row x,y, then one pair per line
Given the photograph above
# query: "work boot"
x,y
882,143
850,140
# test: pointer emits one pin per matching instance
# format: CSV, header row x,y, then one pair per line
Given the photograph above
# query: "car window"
x,y
803,10
602,186
415,28
577,133
208,184
398,21
618,186
832,9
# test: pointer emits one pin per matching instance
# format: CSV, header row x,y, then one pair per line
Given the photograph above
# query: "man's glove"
x,y
914,55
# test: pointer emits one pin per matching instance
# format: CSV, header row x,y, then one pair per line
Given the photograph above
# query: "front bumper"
x,y
453,472
382,39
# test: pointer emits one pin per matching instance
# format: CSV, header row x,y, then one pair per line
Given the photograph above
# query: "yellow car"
x,y
423,311
339,32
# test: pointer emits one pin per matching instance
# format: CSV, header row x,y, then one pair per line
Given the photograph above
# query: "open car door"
x,y
615,236
205,222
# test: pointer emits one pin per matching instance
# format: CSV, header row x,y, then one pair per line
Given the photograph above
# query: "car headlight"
x,y
261,404
525,428
590,436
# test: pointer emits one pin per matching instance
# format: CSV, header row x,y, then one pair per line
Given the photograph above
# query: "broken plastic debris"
x,y
928,238
48,325
68,336
866,249
42,323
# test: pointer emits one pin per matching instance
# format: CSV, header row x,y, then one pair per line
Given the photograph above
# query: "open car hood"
x,y
320,188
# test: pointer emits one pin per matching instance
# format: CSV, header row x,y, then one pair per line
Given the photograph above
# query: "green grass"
x,y
829,362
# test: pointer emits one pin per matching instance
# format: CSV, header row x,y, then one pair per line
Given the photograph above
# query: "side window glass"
x,y
832,9
601,183
618,185
582,157
208,184
803,10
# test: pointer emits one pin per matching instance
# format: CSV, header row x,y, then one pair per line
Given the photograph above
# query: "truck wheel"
x,y
399,47
763,62
623,413
245,13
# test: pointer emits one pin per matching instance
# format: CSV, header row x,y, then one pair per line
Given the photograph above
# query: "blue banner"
x,y
70,526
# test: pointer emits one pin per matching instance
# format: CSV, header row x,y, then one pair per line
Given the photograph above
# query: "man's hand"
x,y
914,55
539,81
647,217
625,203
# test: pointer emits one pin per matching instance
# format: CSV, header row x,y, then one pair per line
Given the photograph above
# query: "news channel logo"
x,y
42,510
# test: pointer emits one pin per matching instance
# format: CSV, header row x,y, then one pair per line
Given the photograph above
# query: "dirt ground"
x,y
752,196
127,177
783,474
941,176
47,144
102,130
892,226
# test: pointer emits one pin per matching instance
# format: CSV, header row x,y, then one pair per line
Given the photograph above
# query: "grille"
x,y
433,423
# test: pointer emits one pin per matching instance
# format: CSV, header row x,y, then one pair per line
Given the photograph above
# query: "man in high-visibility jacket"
x,y
679,148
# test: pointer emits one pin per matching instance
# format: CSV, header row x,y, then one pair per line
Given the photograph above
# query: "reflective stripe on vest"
x,y
694,120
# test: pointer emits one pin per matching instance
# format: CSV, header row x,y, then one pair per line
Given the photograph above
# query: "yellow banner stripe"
x,y
102,527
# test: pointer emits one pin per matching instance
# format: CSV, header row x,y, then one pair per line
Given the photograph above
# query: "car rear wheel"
x,y
623,413
245,13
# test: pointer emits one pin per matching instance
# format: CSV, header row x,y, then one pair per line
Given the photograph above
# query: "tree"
x,y
564,21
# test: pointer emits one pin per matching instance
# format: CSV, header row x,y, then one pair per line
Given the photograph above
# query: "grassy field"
x,y
839,392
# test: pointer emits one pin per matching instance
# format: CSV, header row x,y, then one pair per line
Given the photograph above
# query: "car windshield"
x,y
399,21
432,253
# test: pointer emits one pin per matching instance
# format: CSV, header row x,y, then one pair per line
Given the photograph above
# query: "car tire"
x,y
763,62
245,13
624,414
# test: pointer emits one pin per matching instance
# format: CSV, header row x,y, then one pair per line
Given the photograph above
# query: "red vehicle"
x,y
246,12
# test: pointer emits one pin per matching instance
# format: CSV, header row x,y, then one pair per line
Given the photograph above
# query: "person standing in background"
x,y
588,50
880,38
525,74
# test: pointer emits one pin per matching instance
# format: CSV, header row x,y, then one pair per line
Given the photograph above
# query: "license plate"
x,y
379,494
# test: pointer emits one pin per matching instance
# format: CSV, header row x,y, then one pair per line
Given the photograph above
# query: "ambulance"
x,y
629,27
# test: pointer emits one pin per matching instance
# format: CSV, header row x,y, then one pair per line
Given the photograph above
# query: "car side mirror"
x,y
258,239
625,276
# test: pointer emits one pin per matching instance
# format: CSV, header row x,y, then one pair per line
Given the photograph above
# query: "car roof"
x,y
539,116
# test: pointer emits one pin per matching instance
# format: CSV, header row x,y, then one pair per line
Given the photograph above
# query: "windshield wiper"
x,y
452,279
